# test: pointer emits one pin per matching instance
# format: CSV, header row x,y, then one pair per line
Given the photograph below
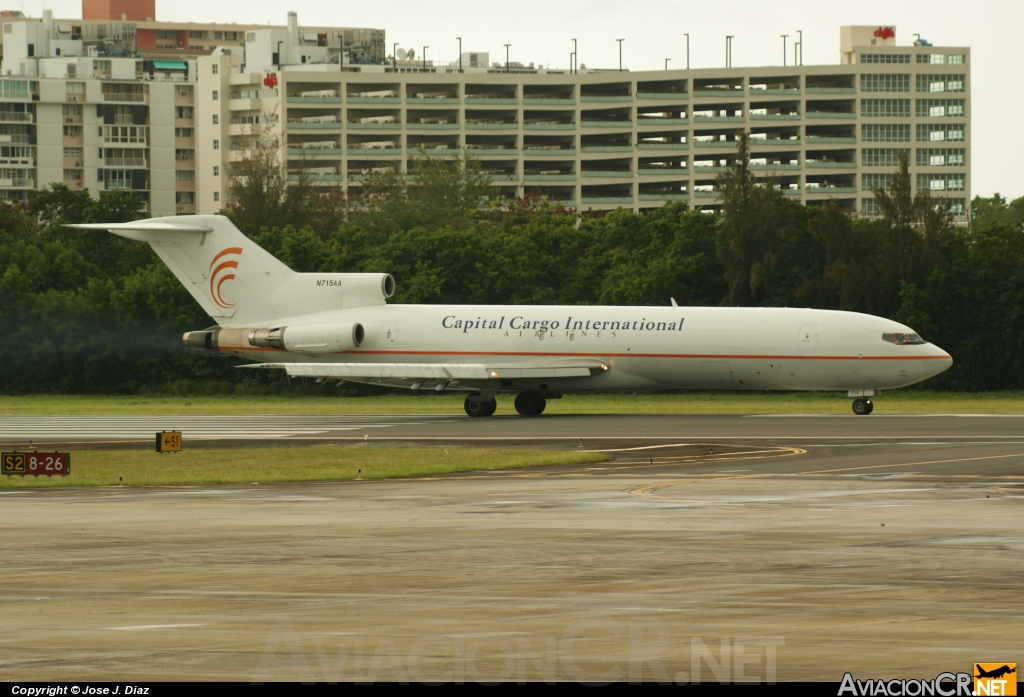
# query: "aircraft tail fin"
x,y
233,279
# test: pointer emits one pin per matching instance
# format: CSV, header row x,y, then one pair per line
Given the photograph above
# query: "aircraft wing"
x,y
442,371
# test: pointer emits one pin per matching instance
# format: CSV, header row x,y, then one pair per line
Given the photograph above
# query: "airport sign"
x,y
35,463
168,442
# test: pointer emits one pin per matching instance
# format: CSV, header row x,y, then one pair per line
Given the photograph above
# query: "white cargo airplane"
x,y
339,326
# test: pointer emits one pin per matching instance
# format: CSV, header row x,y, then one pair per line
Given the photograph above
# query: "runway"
x,y
710,547
16,431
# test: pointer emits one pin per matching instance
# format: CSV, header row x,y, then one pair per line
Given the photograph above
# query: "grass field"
x,y
897,402
300,464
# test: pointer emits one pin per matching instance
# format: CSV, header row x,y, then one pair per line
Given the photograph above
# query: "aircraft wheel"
x,y
871,406
475,407
530,403
862,407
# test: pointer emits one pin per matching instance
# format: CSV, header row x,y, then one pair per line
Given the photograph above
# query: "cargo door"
x,y
717,374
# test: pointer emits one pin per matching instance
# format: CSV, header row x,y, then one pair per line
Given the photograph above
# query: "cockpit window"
x,y
901,339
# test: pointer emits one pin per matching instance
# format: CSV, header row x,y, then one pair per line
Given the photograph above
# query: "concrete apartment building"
x,y
108,102
593,139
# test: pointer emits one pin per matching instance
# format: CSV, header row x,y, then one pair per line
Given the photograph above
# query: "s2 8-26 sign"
x,y
35,464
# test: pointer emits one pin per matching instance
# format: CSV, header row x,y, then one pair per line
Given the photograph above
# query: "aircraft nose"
x,y
938,361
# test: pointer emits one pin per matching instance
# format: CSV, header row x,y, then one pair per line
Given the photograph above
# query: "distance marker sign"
x,y
48,464
168,442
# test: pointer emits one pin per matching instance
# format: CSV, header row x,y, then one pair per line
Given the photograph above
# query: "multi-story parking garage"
x,y
603,139
100,111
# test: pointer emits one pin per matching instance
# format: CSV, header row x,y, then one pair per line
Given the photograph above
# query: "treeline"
x,y
91,312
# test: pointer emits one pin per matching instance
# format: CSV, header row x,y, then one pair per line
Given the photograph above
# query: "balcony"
x,y
354,99
831,90
545,101
16,116
607,98
700,193
353,150
312,100
549,126
757,91
124,162
774,166
620,173
662,146
431,100
718,119
373,125
700,170
830,139
478,150
17,183
606,124
491,126
831,115
664,197
831,190
775,117
758,142
299,125
830,164
317,177
642,120
314,152
663,171
434,126
607,148
607,199
662,95
715,143
724,92
540,150
491,100
537,176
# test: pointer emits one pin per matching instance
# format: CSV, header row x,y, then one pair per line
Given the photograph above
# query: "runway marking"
x,y
141,627
914,464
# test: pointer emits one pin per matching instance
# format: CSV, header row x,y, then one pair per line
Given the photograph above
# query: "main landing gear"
x,y
530,403
474,406
862,406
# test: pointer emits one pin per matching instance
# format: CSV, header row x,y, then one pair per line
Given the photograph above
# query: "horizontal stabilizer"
x,y
434,371
144,226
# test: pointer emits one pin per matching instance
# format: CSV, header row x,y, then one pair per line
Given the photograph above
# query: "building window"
x,y
882,157
885,83
185,197
216,144
940,83
72,153
216,119
885,132
870,182
941,182
183,175
938,132
216,170
183,132
72,131
182,112
71,109
73,175
885,58
216,196
216,67
166,34
957,206
195,34
941,157
182,154
940,58
940,107
869,206
216,95
885,107
123,134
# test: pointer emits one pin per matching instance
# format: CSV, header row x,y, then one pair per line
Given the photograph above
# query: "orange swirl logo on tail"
x,y
221,272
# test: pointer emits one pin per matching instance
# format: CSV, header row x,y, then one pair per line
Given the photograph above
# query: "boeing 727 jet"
x,y
340,326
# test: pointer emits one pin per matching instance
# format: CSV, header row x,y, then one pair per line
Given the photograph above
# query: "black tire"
x,y
861,406
871,407
530,403
490,407
474,408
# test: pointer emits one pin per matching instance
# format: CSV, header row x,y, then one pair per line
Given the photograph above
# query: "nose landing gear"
x,y
862,406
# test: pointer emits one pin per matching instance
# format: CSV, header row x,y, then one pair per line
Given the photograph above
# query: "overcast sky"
x,y
540,31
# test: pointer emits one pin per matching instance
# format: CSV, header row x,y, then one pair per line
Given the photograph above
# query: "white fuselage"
x,y
645,348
